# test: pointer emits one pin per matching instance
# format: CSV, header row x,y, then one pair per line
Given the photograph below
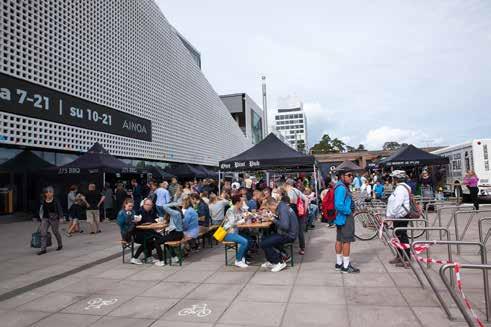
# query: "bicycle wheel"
x,y
416,223
365,226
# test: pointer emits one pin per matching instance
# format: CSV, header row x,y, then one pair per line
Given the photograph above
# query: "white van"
x,y
466,156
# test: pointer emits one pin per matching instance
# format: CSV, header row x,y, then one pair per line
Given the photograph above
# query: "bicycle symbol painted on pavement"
x,y
198,310
99,303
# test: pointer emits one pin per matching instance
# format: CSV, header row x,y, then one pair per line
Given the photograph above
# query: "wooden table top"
x,y
154,226
265,224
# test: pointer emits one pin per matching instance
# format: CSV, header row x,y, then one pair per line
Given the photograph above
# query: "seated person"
x,y
287,231
125,219
150,237
232,218
175,230
190,221
203,210
217,209
254,203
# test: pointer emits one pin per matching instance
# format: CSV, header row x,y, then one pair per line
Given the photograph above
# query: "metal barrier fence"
x,y
454,295
483,240
432,285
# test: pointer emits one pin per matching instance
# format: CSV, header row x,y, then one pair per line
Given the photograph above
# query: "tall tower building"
x,y
291,122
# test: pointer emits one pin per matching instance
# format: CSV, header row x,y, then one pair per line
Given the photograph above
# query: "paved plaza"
x,y
203,292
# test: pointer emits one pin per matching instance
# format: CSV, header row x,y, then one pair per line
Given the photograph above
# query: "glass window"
x,y
257,127
7,154
63,158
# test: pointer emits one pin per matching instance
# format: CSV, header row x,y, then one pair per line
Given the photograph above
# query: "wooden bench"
x,y
172,245
229,246
125,245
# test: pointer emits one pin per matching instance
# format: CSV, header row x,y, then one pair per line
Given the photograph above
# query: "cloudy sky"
x,y
367,71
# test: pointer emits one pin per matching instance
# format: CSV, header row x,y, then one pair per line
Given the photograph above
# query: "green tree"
x,y
329,145
390,146
301,145
361,147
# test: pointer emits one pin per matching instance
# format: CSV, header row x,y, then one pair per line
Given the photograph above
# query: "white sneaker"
x,y
279,267
151,260
267,264
241,264
245,261
136,261
175,260
159,263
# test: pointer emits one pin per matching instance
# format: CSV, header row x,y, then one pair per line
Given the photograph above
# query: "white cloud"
x,y
376,138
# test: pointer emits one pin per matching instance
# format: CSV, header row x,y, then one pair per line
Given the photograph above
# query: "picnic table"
x,y
153,226
262,225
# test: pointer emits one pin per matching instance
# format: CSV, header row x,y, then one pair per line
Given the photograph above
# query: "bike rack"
x,y
483,240
469,221
454,295
427,229
432,285
439,215
385,232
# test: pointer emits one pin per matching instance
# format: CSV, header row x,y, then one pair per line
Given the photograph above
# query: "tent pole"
x,y
219,183
315,185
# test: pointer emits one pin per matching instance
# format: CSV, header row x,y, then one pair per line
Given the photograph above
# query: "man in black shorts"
x,y
344,205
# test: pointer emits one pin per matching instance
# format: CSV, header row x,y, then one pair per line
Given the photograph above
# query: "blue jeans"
x,y
242,241
271,244
160,211
313,212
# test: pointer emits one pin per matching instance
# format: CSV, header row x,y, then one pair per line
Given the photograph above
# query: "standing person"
x,y
366,190
287,230
76,213
173,187
163,197
108,202
137,193
178,194
313,208
234,217
94,199
294,194
50,212
378,190
71,196
152,194
345,224
398,206
471,181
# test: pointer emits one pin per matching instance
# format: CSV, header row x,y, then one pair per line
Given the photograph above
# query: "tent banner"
x,y
241,164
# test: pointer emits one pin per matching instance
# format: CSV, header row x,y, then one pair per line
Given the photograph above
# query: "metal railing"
x,y
483,240
472,213
454,295
432,285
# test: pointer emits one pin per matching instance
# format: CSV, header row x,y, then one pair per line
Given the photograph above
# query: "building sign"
x,y
28,99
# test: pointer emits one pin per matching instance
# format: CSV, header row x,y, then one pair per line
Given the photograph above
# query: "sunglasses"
x,y
348,175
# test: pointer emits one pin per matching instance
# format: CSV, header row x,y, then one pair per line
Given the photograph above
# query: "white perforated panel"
x,y
121,54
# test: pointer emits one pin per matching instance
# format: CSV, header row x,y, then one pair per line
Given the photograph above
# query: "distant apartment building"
x,y
291,122
247,114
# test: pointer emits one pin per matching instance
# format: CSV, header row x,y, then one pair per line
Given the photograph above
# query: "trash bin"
x,y
6,201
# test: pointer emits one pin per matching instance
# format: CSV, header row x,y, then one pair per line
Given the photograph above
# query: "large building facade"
x,y
247,114
73,73
291,122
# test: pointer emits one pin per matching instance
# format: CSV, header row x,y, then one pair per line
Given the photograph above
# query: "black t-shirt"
x,y
49,207
93,198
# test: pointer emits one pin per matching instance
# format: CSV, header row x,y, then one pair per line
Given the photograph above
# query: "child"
x,y
76,213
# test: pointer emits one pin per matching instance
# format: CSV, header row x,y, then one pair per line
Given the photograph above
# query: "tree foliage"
x,y
391,146
329,145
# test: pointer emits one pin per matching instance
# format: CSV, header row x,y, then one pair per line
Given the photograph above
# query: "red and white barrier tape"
x,y
420,248
464,298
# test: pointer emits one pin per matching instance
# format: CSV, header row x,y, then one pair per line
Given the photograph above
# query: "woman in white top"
x,y
217,209
366,190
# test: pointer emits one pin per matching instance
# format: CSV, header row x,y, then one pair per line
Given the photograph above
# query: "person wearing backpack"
x,y
298,204
327,198
398,206
345,223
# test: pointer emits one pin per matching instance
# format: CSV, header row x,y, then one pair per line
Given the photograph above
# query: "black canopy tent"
x,y
159,173
25,164
186,171
209,173
410,156
271,154
96,160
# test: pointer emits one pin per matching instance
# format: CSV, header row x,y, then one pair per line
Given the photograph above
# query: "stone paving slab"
x,y
203,292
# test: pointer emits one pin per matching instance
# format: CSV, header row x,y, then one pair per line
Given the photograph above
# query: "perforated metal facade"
x,y
122,54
